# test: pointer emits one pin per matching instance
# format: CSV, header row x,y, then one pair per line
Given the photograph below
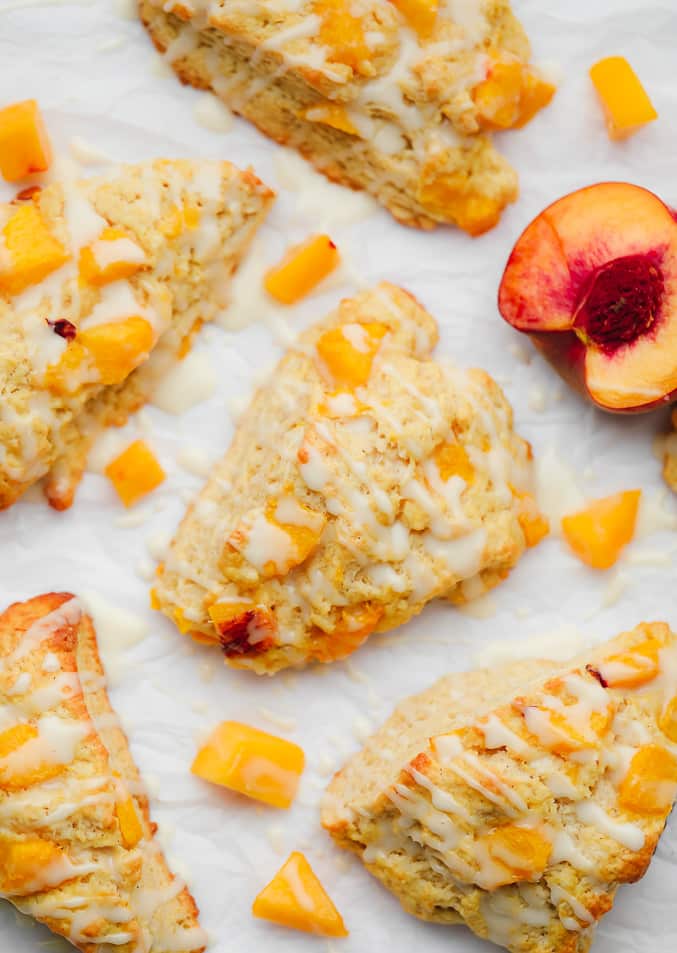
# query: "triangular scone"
x,y
397,97
102,283
517,799
364,480
77,850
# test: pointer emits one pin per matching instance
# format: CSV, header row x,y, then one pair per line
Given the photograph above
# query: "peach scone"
x,y
397,97
77,847
102,283
364,480
517,799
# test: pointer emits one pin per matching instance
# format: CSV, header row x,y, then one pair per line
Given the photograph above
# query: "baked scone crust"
x,y
416,142
64,799
374,529
501,797
191,222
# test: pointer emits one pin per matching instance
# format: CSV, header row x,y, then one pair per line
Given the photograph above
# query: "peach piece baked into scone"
x,y
77,848
364,480
517,799
102,283
397,98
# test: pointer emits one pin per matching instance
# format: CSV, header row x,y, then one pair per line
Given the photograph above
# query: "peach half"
x,y
593,281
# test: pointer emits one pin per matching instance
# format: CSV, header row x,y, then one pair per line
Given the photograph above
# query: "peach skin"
x,y
593,281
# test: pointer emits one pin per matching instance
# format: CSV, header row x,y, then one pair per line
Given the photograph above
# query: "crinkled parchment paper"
x,y
99,82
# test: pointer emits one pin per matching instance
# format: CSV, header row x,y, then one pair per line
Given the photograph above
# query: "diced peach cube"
x,y
135,473
554,731
29,251
419,14
355,626
511,95
342,34
295,898
117,347
243,628
632,668
598,533
222,613
450,196
536,94
348,352
252,762
303,267
668,720
112,257
332,114
301,523
182,623
626,104
534,525
24,143
498,96
25,864
453,460
26,770
650,785
178,220
62,377
280,538
11,739
524,852
191,216
128,819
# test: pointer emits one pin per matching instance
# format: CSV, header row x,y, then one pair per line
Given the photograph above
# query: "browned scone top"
x,y
395,98
77,847
517,799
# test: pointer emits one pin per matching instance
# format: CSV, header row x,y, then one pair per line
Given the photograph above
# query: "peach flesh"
x,y
593,281
622,302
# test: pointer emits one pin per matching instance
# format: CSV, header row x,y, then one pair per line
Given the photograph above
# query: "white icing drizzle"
x,y
38,687
266,543
498,735
564,849
625,833
440,799
60,295
437,824
507,799
559,895
69,613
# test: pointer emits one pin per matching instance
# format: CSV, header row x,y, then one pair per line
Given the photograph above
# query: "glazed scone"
x,y
393,97
77,847
364,480
517,799
670,455
102,283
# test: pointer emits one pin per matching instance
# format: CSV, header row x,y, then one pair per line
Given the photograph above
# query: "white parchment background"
x,y
93,71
